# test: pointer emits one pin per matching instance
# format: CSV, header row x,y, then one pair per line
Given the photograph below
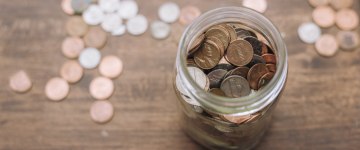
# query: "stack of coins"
x,y
326,16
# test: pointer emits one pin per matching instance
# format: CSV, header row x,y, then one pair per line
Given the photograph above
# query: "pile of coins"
x,y
325,16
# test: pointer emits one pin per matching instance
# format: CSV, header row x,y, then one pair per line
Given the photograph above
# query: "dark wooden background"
x,y
320,108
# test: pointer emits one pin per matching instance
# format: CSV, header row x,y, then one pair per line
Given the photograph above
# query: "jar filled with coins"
x,y
230,72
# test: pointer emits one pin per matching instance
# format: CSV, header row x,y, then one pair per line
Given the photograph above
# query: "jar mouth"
x,y
254,20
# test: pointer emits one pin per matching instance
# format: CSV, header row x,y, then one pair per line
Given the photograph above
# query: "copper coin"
x,y
188,14
72,46
76,27
96,37
269,49
339,4
218,44
111,66
102,111
66,7
264,48
207,56
324,16
71,71
221,33
235,86
348,40
57,89
241,71
254,118
255,60
216,77
196,44
20,82
258,5
101,88
316,3
271,67
240,32
327,45
239,53
269,58
232,32
265,79
347,19
255,73
235,119
255,43
217,92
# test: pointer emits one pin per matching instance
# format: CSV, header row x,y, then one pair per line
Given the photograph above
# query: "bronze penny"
x,y
196,44
66,7
255,73
188,14
96,37
241,71
101,88
254,118
348,40
218,44
347,19
324,16
56,89
232,32
207,56
111,66
240,32
72,46
235,86
271,67
326,45
217,92
101,111
269,58
76,27
20,82
239,53
71,71
255,60
264,48
316,3
216,77
221,33
265,79
255,43
235,119
339,4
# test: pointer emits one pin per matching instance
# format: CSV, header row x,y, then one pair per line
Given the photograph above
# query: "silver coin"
x,y
93,15
119,30
111,22
169,12
235,86
109,6
137,25
128,9
309,32
216,77
89,58
179,85
198,75
189,100
160,30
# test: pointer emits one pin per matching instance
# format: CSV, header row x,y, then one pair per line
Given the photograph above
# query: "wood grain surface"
x,y
320,108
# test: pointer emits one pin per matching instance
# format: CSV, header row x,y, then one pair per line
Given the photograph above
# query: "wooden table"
x,y
320,108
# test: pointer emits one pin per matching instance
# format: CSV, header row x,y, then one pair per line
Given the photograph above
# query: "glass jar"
x,y
198,119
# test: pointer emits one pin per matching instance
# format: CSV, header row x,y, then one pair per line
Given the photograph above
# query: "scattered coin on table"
x,y
20,82
128,9
71,71
89,58
72,46
137,25
109,6
76,27
94,15
348,40
324,16
258,5
309,32
66,7
188,14
57,89
101,88
326,45
102,111
80,6
111,22
347,19
169,12
110,66
96,37
120,30
160,30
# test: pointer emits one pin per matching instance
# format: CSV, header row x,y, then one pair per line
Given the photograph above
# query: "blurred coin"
x,y
169,12
188,14
347,19
76,27
128,9
269,58
198,76
265,79
96,37
189,100
324,16
101,88
309,32
111,22
255,73
57,89
179,85
255,43
196,43
66,7
326,45
255,60
71,71
89,58
258,5
111,66
216,77
348,40
217,92
94,15
160,30
317,3
137,25
240,71
72,46
235,86
80,5
271,67
339,4
207,56
240,32
235,119
20,82
109,6
101,111
239,53
120,30
221,33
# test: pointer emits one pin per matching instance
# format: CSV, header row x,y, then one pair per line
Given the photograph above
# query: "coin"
x,y
269,58
80,5
271,67
110,66
269,49
72,46
235,119
89,58
326,45
226,67
56,89
96,37
109,6
217,92
66,7
160,30
101,111
240,32
347,19
111,22
169,12
264,48
101,88
20,82
255,73
128,9
120,30
265,79
196,43
255,60
137,25
76,27
198,76
239,53
189,100
71,71
316,3
339,4
220,33
324,16
216,77
180,86
235,86
258,5
232,32
348,40
207,56
255,43
94,15
240,71
188,14
309,32
217,43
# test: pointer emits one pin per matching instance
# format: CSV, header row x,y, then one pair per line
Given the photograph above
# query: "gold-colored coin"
x,y
76,27
207,56
239,53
